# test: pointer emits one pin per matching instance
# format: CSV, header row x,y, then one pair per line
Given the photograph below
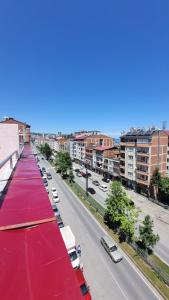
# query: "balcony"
x,y
145,182
142,171
142,160
142,178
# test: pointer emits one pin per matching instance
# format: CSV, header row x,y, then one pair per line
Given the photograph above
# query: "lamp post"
x,y
86,179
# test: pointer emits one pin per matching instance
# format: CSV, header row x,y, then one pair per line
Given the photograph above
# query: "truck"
x,y
69,240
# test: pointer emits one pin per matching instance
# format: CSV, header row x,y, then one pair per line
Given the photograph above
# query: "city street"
x,y
159,215
106,279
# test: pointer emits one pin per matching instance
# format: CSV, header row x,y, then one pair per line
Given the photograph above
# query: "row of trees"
x,y
122,216
161,187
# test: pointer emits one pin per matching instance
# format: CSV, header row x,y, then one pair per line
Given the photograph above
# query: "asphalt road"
x,y
106,279
162,247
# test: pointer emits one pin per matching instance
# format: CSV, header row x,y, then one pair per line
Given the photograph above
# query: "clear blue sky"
x,y
70,65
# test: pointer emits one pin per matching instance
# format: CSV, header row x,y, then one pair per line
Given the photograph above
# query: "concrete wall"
x,y
9,142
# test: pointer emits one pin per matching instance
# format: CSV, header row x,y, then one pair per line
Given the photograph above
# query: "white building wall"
x,y
130,163
9,142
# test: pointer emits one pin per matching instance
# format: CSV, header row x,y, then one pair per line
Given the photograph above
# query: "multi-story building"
x,y
81,146
106,161
167,132
24,129
141,152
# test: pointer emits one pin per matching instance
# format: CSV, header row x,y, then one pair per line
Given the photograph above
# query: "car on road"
x,y
111,248
47,190
95,182
79,174
103,187
82,283
53,189
43,169
56,210
91,190
105,179
49,176
55,197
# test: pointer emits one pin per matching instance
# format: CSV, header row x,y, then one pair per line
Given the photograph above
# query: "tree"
x,y
147,238
164,189
156,181
47,151
119,212
63,163
71,176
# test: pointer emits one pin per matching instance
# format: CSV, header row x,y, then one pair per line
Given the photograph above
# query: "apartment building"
x,y
81,146
141,152
167,132
24,129
106,161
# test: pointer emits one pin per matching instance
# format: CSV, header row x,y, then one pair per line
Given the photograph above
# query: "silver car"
x,y
111,248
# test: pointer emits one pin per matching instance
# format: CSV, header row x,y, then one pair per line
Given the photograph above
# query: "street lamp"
x,y
86,179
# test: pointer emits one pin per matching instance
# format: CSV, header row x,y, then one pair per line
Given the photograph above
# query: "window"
x,y
130,157
101,142
144,141
130,166
130,174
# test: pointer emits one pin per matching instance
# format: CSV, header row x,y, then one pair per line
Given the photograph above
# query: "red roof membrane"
x,y
35,265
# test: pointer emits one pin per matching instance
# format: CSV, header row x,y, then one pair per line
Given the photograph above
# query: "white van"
x,y
103,187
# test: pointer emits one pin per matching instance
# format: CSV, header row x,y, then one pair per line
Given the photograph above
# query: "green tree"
x,y
71,176
147,237
119,211
47,151
164,189
155,182
63,163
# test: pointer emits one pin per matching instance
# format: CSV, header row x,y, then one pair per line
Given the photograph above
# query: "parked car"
x,y
49,176
60,222
103,187
55,197
91,190
95,182
105,179
43,169
45,184
56,210
47,190
111,248
54,189
82,283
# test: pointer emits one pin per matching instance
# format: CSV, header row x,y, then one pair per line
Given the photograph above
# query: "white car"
x,y
54,189
55,197
103,187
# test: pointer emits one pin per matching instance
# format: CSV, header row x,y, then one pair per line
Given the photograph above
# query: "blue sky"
x,y
71,65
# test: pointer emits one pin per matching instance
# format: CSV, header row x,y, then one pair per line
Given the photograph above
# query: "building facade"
x,y
141,152
24,129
